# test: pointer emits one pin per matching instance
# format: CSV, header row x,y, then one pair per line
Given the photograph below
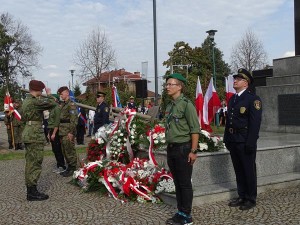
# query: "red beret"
x,y
36,85
61,89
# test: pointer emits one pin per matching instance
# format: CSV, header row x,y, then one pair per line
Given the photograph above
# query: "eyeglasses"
x,y
169,84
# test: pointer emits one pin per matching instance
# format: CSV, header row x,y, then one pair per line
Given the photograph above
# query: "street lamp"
x,y
211,35
72,74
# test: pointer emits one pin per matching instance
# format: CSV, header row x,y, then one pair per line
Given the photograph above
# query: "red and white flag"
x,y
229,88
199,102
8,106
211,104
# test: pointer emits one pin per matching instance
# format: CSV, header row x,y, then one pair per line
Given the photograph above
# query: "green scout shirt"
x,y
54,117
68,118
181,120
32,115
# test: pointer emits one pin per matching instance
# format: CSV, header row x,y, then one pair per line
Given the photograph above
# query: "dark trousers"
x,y
181,169
245,170
56,148
80,134
96,127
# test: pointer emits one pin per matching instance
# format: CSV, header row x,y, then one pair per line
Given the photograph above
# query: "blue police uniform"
x,y
240,137
101,116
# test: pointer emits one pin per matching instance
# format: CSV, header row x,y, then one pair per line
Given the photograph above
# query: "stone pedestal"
x,y
285,81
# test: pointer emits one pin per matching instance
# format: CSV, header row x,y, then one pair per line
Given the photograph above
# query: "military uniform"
x,y
18,128
8,123
101,116
240,137
34,138
68,122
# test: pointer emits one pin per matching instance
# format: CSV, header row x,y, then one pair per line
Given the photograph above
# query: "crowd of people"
x,y
64,124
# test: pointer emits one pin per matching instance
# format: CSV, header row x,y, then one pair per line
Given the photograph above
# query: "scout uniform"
x,y
240,137
34,138
101,116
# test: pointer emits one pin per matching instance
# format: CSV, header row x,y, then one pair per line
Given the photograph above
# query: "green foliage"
x,y
77,90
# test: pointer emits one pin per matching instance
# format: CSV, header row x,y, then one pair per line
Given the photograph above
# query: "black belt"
x,y
179,144
235,130
65,121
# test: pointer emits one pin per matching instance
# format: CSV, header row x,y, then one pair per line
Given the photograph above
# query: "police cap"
x,y
177,76
100,94
36,85
245,74
61,89
131,97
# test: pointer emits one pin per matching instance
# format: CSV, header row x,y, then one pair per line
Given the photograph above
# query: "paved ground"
x,y
67,205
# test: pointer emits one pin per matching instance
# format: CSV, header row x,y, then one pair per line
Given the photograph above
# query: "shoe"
x,y
174,220
236,202
247,205
67,173
34,195
180,218
59,170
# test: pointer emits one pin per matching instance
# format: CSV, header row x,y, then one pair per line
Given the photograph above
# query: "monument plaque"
x,y
288,109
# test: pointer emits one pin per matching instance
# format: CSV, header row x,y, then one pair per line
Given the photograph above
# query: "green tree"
x,y
77,90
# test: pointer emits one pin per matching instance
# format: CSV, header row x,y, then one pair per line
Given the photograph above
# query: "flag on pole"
x,y
211,105
8,106
115,97
199,102
229,88
82,117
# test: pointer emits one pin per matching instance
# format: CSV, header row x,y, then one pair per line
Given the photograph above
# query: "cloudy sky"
x,y
61,25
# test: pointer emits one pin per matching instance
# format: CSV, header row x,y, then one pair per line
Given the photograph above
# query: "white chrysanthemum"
x,y
119,139
205,133
203,146
154,136
121,134
155,141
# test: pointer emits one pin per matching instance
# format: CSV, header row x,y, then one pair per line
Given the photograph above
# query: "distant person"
x,y
45,125
91,122
131,103
222,114
33,137
9,128
102,112
81,125
240,137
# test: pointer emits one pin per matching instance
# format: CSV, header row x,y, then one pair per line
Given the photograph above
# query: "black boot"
x,y
10,145
34,195
19,146
68,172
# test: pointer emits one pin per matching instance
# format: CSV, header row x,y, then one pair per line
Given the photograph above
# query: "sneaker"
x,y
59,170
174,220
185,219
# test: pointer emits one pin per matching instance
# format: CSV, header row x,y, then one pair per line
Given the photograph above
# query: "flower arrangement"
x,y
158,136
208,143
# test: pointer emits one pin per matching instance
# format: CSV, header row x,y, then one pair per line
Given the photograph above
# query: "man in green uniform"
x,y
33,137
18,127
9,127
67,130
182,135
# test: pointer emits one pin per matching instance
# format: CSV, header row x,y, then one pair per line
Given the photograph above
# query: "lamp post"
x,y
72,74
211,35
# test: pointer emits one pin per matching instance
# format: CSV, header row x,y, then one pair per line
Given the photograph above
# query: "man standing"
x,y
67,130
240,137
33,137
131,103
18,126
102,112
9,128
182,135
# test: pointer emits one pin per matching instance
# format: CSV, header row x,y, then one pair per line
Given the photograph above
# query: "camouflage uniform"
x,y
7,121
18,128
68,122
33,136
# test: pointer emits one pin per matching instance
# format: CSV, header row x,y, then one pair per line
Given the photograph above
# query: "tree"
x,y
94,56
18,51
77,90
248,53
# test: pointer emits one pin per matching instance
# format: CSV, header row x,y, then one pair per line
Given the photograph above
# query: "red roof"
x,y
114,76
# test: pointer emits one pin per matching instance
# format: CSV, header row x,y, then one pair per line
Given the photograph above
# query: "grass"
x,y
12,155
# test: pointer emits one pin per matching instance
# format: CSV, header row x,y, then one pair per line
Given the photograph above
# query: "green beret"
x,y
177,76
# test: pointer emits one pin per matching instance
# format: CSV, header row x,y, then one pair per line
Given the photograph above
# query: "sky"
x,y
59,26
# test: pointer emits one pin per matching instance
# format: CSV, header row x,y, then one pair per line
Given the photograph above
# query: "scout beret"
x,y
177,76
61,89
36,85
100,94
245,74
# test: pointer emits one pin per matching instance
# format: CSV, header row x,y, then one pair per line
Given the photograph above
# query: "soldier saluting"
x,y
33,137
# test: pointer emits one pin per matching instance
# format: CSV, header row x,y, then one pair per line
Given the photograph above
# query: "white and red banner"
x,y
8,106
211,105
115,97
229,88
199,100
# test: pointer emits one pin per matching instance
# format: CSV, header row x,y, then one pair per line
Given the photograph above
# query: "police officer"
x,y
182,135
131,103
101,116
67,130
33,137
240,137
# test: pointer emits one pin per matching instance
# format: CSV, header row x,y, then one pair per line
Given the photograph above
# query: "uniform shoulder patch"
x,y
106,109
257,104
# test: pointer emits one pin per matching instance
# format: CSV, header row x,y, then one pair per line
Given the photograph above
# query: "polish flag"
x,y
8,106
229,88
211,104
199,102
116,98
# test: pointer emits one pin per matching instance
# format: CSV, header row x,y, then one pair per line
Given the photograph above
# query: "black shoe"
x,y
34,195
236,202
10,147
247,205
174,220
67,173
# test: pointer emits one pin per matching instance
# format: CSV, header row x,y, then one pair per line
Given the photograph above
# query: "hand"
x,y
71,137
192,158
249,149
52,137
48,91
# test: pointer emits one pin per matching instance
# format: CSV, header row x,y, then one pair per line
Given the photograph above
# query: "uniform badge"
x,y
257,104
106,109
242,110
